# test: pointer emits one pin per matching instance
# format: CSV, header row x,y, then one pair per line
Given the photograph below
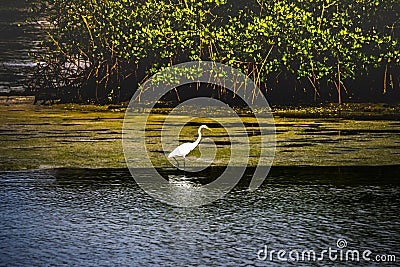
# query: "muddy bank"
x,y
78,136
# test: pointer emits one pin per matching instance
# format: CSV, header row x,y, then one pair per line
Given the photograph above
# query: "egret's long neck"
x,y
198,138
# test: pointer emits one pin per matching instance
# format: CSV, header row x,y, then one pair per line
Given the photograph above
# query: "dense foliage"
x,y
100,50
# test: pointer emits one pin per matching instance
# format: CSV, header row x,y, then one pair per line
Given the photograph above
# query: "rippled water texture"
x,y
16,39
102,218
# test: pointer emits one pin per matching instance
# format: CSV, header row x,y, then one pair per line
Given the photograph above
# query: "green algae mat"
x,y
84,136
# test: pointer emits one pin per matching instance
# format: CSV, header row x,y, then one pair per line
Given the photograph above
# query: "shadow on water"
x,y
279,175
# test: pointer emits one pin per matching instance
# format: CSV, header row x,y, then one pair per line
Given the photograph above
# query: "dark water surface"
x,y
87,217
17,38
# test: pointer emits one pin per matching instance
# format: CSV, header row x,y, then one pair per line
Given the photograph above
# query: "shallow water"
x,y
34,137
89,217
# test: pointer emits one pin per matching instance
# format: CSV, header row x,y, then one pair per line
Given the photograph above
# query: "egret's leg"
x,y
184,164
176,162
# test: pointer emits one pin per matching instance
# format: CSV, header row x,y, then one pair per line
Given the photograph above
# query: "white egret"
x,y
184,149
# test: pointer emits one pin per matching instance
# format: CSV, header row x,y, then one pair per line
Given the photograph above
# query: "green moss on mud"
x,y
89,136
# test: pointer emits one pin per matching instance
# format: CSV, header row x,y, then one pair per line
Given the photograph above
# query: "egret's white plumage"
x,y
184,149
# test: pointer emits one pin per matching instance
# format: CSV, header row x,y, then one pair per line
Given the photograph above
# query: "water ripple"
x,y
100,217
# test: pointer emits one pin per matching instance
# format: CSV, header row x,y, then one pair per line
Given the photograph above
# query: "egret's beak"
x,y
208,129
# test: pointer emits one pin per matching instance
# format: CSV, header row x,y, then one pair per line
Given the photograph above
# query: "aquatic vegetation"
x,y
89,136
